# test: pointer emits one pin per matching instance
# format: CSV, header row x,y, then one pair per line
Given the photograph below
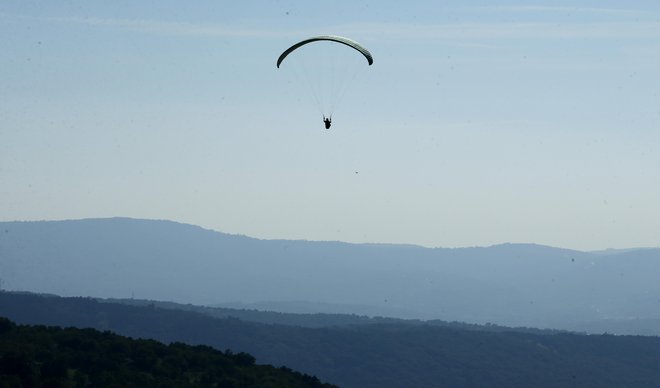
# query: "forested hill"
x,y
374,355
317,320
41,356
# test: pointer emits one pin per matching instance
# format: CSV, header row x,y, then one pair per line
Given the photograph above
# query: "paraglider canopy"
x,y
332,38
327,65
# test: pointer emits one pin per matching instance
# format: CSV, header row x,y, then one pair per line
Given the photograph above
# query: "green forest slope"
x,y
54,357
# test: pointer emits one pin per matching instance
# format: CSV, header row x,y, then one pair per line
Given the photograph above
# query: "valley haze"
x,y
508,284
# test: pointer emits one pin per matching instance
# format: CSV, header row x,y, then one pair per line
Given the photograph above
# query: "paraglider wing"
x,y
333,38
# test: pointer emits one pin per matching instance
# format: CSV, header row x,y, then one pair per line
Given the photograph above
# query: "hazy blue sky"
x,y
479,122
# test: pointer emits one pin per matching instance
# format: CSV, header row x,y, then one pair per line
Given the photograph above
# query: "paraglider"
x,y
328,70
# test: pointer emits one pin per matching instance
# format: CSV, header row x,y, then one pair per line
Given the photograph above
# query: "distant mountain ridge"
x,y
508,284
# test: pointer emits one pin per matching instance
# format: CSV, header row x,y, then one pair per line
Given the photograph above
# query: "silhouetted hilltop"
x,y
43,356
382,354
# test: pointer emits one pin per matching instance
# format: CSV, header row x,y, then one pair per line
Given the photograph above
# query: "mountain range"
x,y
509,284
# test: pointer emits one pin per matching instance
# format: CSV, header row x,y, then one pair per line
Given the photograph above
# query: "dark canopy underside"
x,y
338,39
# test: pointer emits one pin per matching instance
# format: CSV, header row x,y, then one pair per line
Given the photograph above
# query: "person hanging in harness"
x,y
327,121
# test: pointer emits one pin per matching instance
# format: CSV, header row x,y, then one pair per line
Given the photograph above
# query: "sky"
x,y
479,123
